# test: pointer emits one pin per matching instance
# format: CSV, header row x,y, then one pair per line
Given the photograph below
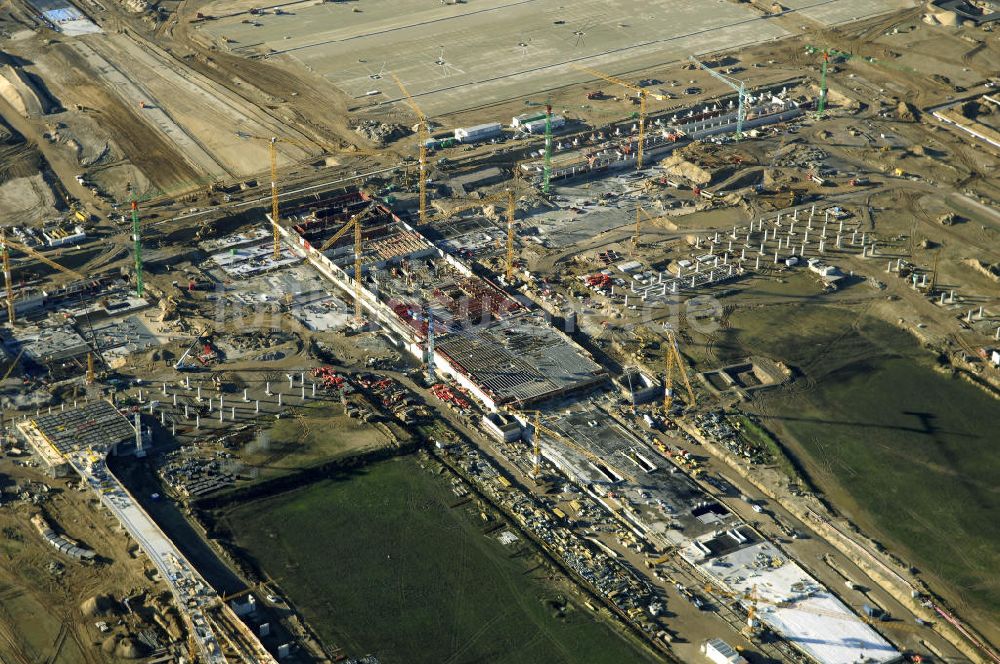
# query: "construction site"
x,y
693,313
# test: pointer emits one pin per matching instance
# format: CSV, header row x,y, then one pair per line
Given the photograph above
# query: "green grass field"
x,y
321,433
380,563
910,453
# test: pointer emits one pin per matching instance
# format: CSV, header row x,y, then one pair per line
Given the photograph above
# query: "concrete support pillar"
x,y
198,396
267,388
314,384
246,395
175,399
187,382
197,421
757,264
303,391
256,406
164,389
888,268
163,417
279,399
186,411
776,258
233,413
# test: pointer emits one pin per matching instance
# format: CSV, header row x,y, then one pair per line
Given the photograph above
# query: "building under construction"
x,y
432,304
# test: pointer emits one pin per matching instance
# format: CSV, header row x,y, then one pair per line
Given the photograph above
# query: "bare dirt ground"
x,y
42,591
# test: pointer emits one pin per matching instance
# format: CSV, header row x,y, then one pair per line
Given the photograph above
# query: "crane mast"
x,y
137,240
423,136
273,154
821,104
6,277
547,174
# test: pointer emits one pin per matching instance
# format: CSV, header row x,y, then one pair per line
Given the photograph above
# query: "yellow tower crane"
x,y
353,223
507,197
672,360
272,145
8,281
641,93
423,136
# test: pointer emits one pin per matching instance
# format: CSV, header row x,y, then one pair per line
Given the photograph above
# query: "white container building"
x,y
483,132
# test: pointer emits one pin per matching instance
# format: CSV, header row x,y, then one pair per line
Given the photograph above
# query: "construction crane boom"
x,y
673,361
8,281
641,92
11,366
423,136
735,84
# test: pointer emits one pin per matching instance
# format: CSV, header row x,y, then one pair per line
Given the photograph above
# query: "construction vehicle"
x,y
423,138
673,361
641,95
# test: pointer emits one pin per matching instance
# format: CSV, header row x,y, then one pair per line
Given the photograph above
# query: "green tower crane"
x,y
137,239
821,104
547,175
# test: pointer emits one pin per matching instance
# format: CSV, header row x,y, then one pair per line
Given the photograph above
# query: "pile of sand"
x,y
18,91
98,606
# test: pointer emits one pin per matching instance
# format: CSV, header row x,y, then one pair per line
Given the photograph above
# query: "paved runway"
x,y
454,57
